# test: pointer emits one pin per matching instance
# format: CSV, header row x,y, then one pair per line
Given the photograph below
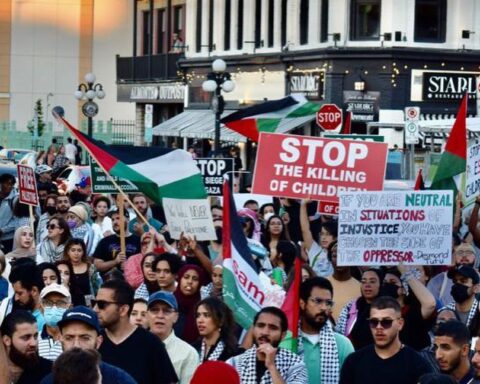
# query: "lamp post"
x,y
88,91
218,80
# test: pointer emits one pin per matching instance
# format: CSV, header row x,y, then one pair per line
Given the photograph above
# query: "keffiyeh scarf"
x,y
329,362
214,354
471,313
50,252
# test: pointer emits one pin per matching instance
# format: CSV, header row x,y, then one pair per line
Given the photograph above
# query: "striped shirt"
x,y
47,347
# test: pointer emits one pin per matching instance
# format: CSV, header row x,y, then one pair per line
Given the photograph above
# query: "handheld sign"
x,y
27,185
213,170
316,168
392,227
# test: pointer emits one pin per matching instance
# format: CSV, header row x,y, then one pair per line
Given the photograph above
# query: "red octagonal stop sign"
x,y
329,117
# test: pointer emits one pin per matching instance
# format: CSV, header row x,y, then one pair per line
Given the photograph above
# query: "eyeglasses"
x,y
384,323
58,303
165,311
52,226
102,304
318,301
464,253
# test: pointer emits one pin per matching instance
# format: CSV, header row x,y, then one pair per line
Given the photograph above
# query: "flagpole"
x,y
125,196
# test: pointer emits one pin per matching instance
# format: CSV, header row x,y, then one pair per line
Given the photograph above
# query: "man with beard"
x,y
452,342
107,255
323,350
20,338
387,360
137,226
63,205
465,286
265,362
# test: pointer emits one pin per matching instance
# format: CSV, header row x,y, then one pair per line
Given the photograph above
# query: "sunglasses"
x,y
52,226
102,304
384,323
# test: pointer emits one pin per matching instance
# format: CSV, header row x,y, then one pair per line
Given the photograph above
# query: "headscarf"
x,y
186,327
257,229
18,252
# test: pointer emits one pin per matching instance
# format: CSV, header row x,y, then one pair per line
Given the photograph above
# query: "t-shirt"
x,y
142,355
110,375
109,247
318,260
343,292
365,366
36,374
70,152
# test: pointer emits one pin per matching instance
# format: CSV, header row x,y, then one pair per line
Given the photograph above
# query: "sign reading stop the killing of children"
x,y
388,228
472,185
317,168
27,185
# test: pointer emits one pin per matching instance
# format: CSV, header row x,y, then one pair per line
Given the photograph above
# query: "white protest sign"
x,y
386,228
191,216
472,186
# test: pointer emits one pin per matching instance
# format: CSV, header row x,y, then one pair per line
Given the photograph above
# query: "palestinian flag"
x,y
291,307
419,183
242,290
266,117
347,125
454,158
157,172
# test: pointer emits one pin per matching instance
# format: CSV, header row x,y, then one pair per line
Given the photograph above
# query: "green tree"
x,y
38,114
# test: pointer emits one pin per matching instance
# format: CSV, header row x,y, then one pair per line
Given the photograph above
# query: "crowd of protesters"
x,y
93,293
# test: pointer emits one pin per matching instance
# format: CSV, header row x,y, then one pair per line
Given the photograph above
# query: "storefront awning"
x,y
200,124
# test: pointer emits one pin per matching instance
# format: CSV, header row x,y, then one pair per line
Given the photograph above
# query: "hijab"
x,y
18,252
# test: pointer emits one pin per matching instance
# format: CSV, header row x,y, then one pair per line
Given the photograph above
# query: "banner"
x,y
388,228
213,170
472,186
189,216
317,168
101,182
27,185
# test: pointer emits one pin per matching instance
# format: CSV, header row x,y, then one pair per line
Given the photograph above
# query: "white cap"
x,y
55,288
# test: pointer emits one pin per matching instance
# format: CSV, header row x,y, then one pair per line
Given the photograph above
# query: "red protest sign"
x,y
328,208
317,168
27,185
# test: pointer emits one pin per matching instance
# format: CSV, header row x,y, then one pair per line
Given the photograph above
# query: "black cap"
x,y
465,271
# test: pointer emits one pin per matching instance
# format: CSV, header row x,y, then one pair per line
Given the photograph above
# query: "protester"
x,y
70,151
215,288
134,349
387,360
8,194
138,227
52,247
79,366
61,160
66,272
4,285
77,217
78,155
476,358
162,315
21,215
49,273
44,178
51,152
102,223
150,284
275,231
23,245
63,205
265,362
216,328
139,313
166,267
49,208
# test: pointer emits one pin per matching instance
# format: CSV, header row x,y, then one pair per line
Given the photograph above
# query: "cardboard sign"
x,y
317,168
191,216
27,185
387,228
101,182
472,186
213,170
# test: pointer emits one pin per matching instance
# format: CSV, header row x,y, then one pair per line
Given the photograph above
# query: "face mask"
x,y
389,289
213,254
72,224
459,293
53,315
51,210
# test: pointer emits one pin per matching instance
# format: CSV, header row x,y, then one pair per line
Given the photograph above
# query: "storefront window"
x,y
365,19
430,21
304,22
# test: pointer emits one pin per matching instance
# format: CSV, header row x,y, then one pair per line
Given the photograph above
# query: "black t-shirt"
x,y
415,331
365,366
108,248
35,375
142,355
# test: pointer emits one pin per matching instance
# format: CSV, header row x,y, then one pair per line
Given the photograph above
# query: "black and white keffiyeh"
x,y
290,366
471,313
214,353
329,362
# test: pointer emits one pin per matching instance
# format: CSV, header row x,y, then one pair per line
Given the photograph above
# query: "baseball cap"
x,y
42,168
82,314
465,271
165,297
54,288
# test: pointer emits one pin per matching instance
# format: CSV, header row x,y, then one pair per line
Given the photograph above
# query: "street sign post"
x,y
329,117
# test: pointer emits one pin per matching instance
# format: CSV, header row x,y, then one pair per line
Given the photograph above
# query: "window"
x,y
161,31
304,22
258,23
324,21
210,26
365,20
198,37
228,21
430,21
271,23
178,19
146,32
283,24
240,25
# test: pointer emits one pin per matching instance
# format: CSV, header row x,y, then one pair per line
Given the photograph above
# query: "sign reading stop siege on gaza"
x,y
317,168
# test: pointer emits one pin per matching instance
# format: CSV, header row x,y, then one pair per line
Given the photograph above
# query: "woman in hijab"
x,y
23,245
190,278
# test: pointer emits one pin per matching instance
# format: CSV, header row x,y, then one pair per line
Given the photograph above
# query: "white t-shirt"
x,y
70,151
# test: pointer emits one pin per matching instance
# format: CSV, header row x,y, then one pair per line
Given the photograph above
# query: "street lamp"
x,y
218,80
88,91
